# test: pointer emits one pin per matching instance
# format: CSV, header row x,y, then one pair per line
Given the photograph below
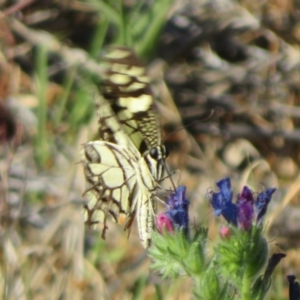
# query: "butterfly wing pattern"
x,y
123,168
127,89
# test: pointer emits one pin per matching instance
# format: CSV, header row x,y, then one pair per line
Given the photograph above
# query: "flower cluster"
x,y
239,267
176,251
176,216
247,209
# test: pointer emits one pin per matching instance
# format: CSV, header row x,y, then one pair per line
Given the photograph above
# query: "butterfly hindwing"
x,y
118,188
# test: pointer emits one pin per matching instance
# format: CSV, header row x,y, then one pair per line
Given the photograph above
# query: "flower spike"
x,y
178,209
246,210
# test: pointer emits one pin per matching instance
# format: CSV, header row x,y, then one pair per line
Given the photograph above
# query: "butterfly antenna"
x,y
170,176
186,126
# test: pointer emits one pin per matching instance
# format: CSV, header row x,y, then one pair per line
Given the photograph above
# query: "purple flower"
x,y
247,208
222,201
177,212
262,202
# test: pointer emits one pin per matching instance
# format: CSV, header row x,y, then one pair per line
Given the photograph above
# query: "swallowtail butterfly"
x,y
123,168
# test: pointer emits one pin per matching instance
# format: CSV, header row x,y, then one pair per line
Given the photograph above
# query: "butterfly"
x,y
124,167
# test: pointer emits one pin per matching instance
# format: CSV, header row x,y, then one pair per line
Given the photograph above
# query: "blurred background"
x,y
225,75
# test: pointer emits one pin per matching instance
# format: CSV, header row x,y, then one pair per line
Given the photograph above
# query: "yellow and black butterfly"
x,y
124,167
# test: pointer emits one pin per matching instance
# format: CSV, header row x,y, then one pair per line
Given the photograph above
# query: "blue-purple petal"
x,y
245,209
222,201
178,209
261,204
225,188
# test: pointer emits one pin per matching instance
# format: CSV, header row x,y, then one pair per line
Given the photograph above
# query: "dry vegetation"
x,y
226,77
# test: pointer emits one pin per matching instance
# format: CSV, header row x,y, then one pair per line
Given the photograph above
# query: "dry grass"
x,y
47,87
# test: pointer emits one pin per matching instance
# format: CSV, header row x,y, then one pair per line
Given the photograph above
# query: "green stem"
x,y
246,287
64,98
42,140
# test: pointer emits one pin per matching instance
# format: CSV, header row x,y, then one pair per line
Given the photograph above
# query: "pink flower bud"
x,y
164,223
225,232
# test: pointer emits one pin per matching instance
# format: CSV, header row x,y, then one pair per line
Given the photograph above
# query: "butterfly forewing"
x,y
127,89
